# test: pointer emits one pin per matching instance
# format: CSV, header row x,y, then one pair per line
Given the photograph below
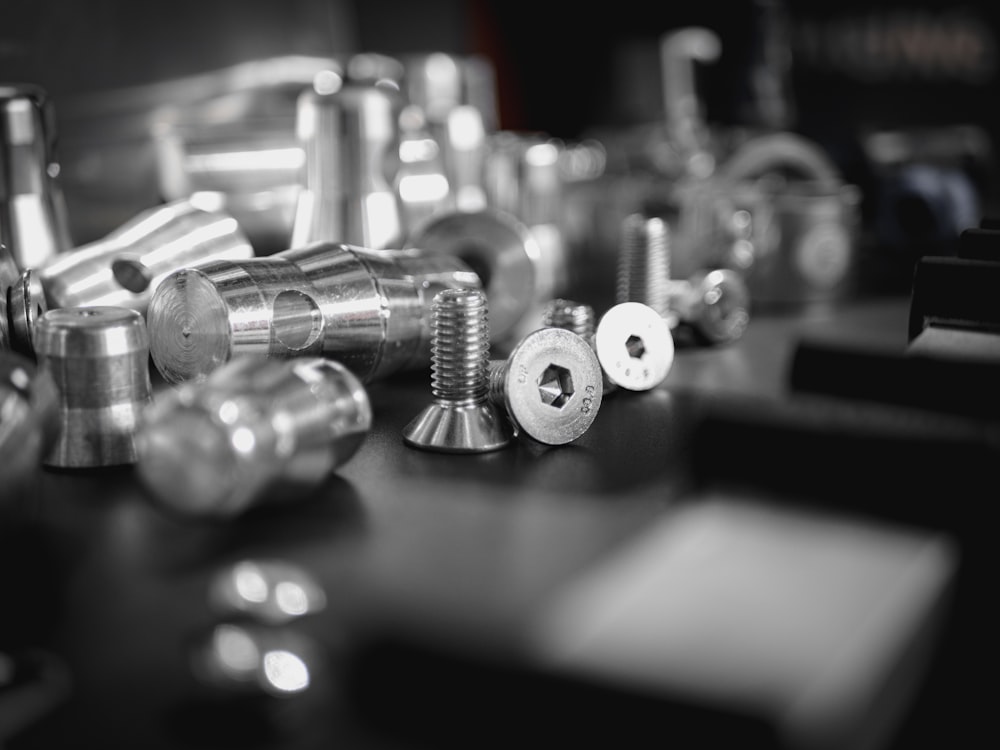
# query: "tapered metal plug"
x,y
213,449
461,419
549,385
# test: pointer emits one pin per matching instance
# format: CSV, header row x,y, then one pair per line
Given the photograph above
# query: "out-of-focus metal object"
x,y
462,418
251,659
29,420
550,385
98,358
421,181
215,448
366,308
714,305
124,268
33,221
687,133
805,219
635,346
269,591
499,248
349,132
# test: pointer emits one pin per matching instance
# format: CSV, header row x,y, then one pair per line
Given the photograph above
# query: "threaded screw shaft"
x,y
644,262
572,316
460,347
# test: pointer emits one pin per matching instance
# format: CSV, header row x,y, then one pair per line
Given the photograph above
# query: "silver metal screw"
x,y
635,346
644,262
581,319
714,304
550,385
461,419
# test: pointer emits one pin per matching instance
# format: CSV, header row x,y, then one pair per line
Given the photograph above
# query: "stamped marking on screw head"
x,y
634,346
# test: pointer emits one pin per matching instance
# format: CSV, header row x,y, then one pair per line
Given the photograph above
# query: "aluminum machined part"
x,y
499,248
98,358
33,222
550,385
124,268
216,448
368,309
25,303
349,131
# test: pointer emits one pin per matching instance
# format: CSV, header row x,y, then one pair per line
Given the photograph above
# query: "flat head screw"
x,y
644,262
461,419
635,346
550,385
581,319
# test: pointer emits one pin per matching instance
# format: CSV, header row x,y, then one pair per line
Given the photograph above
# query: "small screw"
x,y
644,262
461,419
714,304
635,346
579,318
550,385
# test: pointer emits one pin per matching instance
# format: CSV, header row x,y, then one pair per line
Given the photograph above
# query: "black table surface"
x,y
96,576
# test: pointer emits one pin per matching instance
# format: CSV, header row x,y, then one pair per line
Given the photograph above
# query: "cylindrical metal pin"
x,y
98,358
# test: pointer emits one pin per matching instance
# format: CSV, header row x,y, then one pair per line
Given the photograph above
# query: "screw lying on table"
x,y
550,385
461,419
713,304
581,319
635,346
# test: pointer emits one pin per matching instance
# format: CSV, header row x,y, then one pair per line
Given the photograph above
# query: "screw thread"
x,y
572,316
644,262
460,347
496,374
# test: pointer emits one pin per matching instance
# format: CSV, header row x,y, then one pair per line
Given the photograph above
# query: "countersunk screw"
x,y
549,385
581,319
461,418
714,304
635,346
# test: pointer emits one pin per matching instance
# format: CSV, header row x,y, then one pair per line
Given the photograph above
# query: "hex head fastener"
x,y
550,385
635,346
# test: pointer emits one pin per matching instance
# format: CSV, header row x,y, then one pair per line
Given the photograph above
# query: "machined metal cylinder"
x,y
368,309
350,132
217,447
99,360
33,222
125,267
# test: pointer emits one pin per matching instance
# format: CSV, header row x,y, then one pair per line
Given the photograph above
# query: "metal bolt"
x,y
461,419
644,262
213,449
550,385
581,319
714,304
635,346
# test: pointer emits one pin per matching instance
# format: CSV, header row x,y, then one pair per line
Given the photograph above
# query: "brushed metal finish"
x,y
368,309
98,358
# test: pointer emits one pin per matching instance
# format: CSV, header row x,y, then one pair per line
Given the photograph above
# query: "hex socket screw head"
x,y
550,385
581,319
635,346
461,419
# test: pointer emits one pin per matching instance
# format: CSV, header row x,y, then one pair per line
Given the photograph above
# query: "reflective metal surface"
x,y
29,421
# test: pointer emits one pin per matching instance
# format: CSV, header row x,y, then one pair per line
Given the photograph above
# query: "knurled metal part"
x,y
635,346
573,316
461,419
550,385
98,357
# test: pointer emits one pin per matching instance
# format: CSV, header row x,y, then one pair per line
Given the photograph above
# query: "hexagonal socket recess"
x,y
550,385
368,309
635,346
